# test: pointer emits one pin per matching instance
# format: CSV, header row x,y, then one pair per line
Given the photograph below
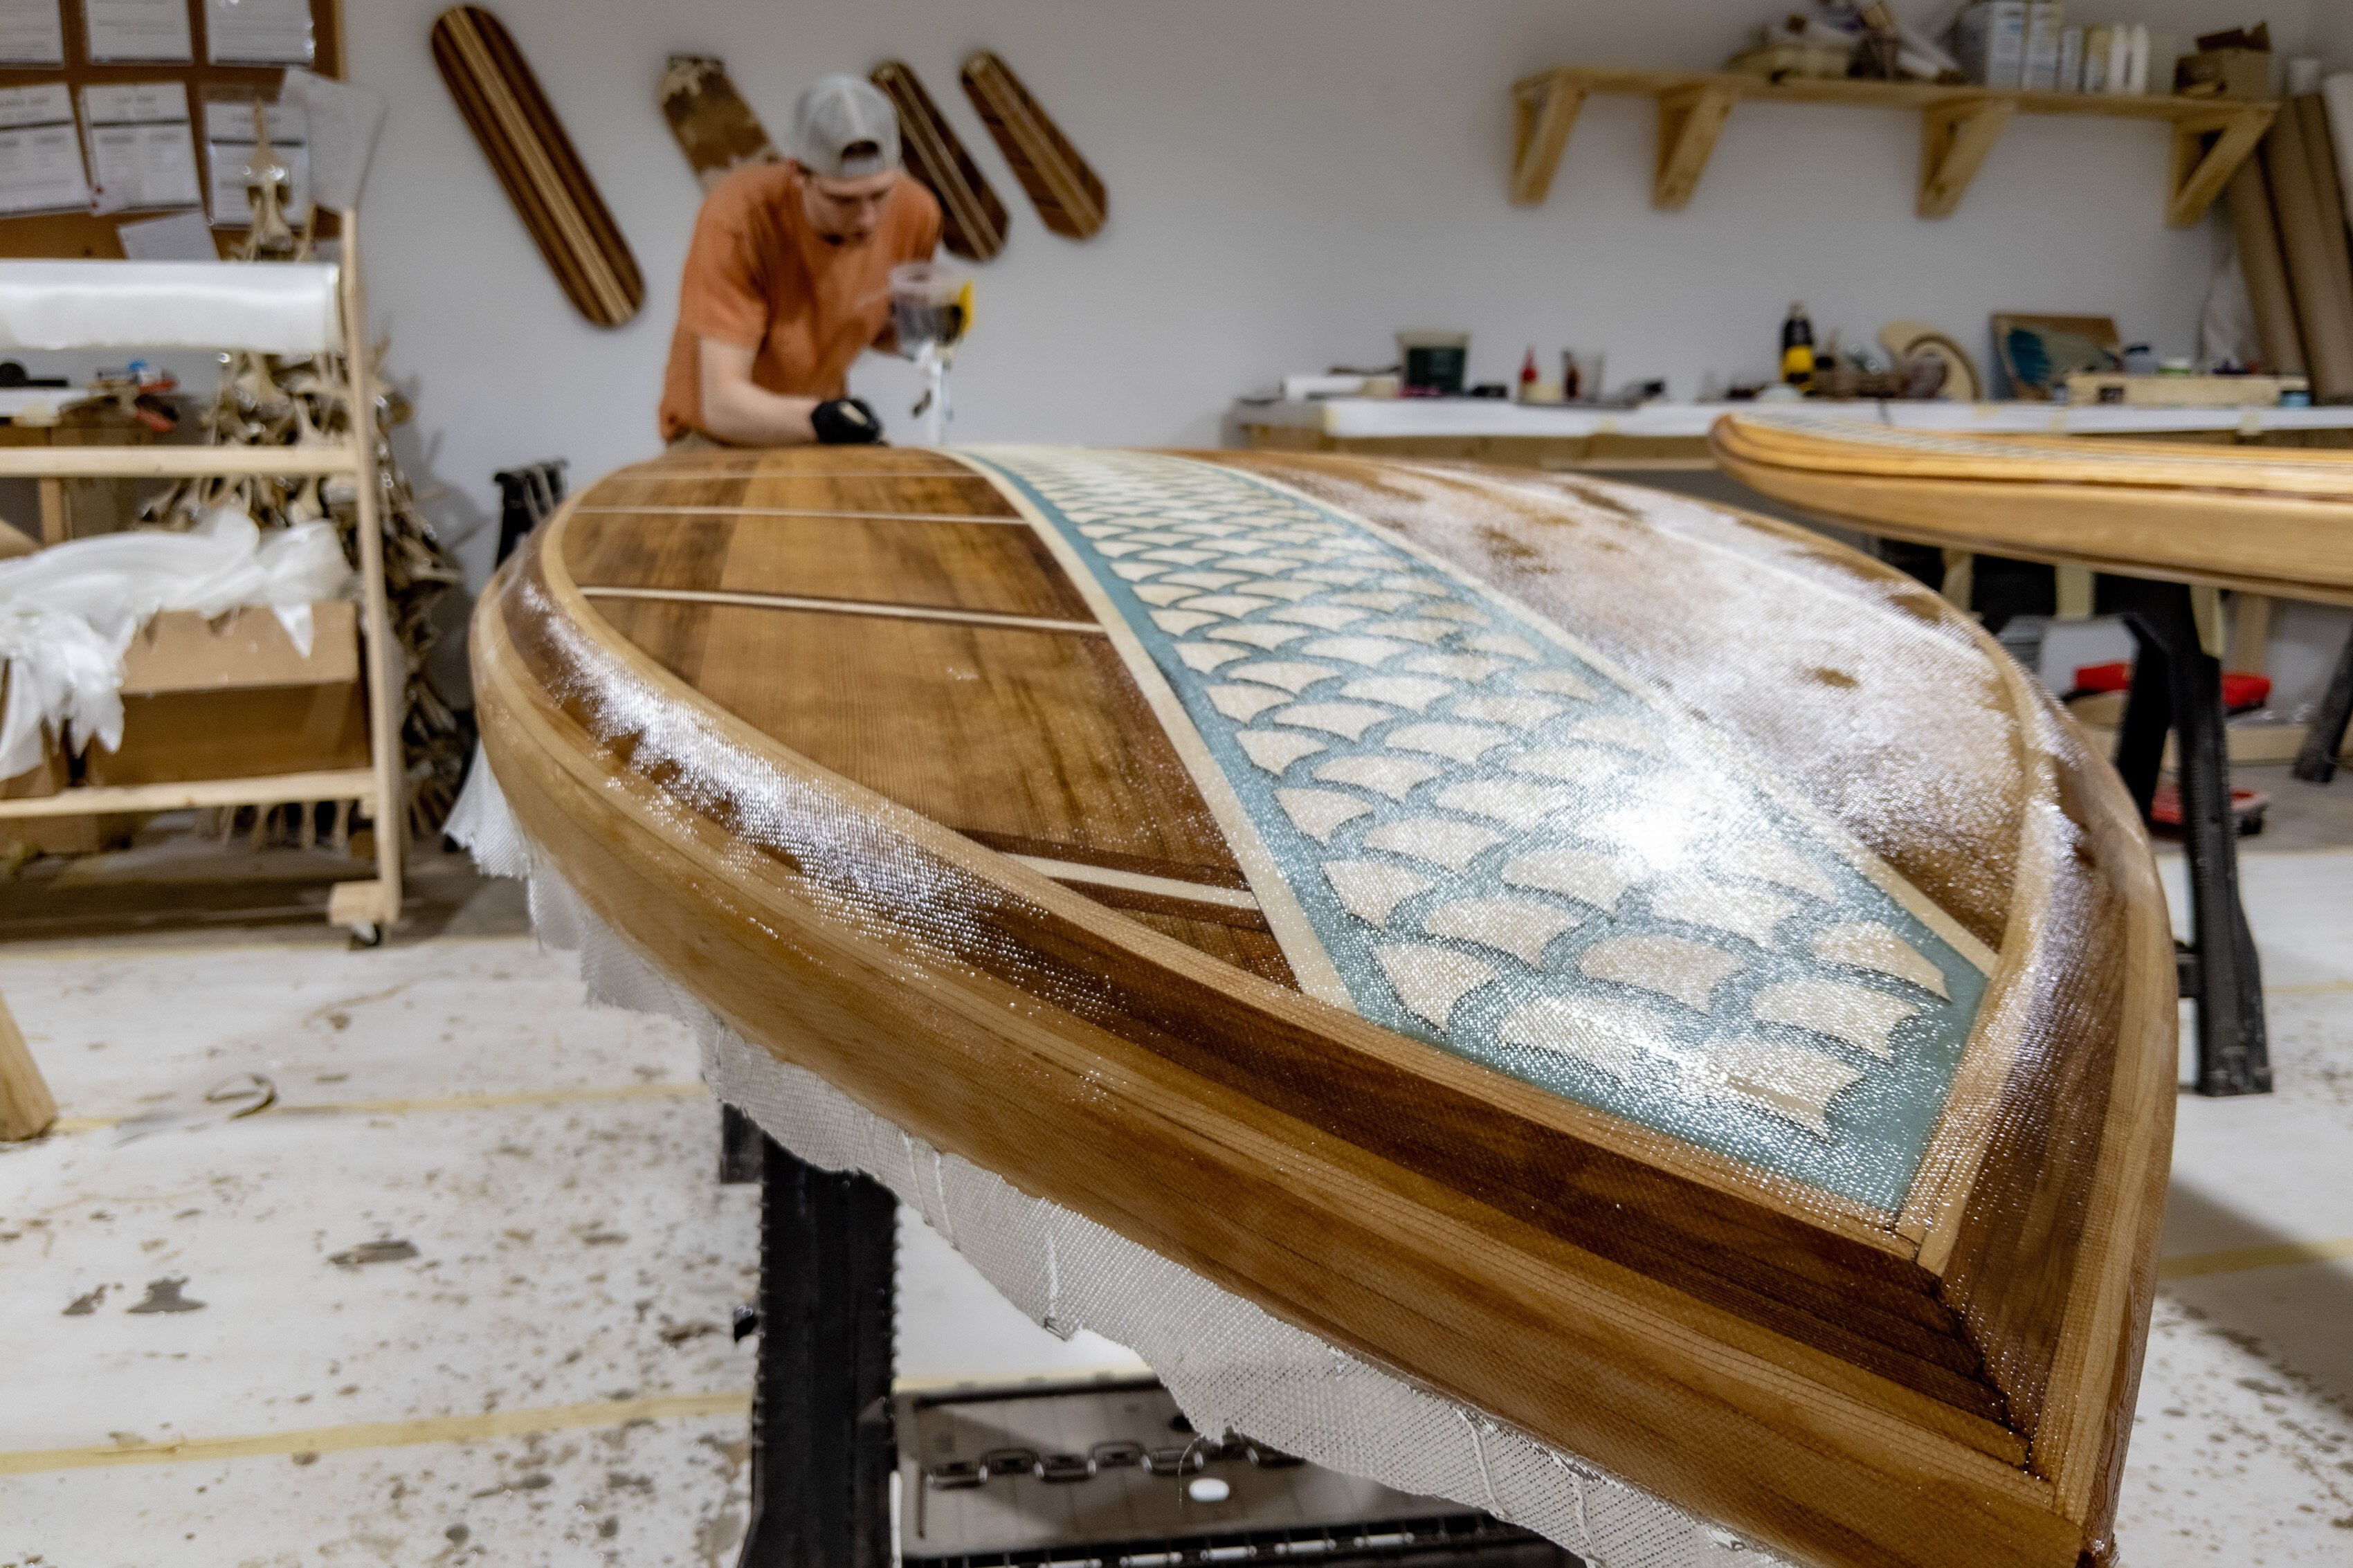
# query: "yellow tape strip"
x,y
2316,988
2280,1256
380,1433
442,1102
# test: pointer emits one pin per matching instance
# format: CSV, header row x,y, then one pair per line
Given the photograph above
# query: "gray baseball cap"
x,y
844,129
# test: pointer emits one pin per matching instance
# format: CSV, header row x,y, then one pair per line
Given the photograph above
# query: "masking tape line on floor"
x,y
2278,1255
382,1434
46,951
664,1090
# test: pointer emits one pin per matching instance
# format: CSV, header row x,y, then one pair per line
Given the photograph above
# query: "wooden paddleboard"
x,y
1067,194
715,128
1725,1033
533,159
2266,519
971,220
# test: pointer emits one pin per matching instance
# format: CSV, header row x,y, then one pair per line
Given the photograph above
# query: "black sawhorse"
x,y
2177,685
2316,762
822,1446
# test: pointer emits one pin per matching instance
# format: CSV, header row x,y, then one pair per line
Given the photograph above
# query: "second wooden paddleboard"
x,y
2266,520
535,160
1068,195
971,220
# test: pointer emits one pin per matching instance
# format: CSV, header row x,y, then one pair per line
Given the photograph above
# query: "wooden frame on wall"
x,y
89,236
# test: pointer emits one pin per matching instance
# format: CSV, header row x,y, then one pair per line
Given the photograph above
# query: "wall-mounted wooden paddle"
x,y
971,220
715,128
533,159
1066,193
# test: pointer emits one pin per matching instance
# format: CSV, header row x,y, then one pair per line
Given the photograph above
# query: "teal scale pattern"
x,y
1512,854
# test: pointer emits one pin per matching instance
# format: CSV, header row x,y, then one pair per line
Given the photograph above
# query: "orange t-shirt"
x,y
757,276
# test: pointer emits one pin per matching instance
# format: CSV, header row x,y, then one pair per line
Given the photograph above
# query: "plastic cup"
x,y
925,305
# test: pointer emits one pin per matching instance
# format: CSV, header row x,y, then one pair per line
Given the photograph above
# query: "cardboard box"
x,y
233,699
2233,64
22,838
179,650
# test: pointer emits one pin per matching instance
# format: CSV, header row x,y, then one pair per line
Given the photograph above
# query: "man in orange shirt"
x,y
788,280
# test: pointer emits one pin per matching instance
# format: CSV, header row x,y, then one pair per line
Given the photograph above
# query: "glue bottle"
x,y
1797,348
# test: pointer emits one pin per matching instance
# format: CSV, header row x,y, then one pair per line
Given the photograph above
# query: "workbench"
x,y
1674,435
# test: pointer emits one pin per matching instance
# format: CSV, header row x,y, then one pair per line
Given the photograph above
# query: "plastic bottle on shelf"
x,y
1798,347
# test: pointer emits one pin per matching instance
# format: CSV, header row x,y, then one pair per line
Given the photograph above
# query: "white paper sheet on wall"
x,y
258,32
231,120
40,155
344,121
227,165
32,33
143,155
229,148
177,237
138,31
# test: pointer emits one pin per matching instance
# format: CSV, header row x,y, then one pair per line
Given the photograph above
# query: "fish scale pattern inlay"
x,y
1510,849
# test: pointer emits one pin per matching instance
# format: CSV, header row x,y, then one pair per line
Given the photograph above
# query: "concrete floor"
x,y
461,1293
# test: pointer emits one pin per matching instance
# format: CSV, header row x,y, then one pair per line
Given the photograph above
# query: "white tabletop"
x,y
1365,418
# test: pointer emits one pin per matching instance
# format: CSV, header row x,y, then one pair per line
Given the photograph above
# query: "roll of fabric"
x,y
2324,304
2250,199
2328,188
2337,95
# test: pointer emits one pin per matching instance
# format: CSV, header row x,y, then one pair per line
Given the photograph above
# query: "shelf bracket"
x,y
1543,110
1954,138
2201,168
1690,119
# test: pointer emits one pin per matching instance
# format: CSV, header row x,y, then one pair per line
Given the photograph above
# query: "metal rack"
x,y
368,906
825,1429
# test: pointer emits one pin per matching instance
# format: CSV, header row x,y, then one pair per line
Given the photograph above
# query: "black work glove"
x,y
845,422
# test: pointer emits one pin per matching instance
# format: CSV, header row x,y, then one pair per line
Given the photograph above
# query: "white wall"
x,y
2331,35
1291,180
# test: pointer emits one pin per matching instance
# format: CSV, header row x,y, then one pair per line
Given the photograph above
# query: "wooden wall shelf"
x,y
1958,126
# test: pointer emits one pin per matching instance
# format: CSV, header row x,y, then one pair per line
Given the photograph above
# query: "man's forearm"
x,y
751,415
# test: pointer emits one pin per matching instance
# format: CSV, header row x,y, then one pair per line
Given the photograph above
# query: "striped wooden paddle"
x,y
510,116
1067,194
971,220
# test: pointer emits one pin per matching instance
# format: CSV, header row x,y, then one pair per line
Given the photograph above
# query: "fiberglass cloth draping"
x,y
68,614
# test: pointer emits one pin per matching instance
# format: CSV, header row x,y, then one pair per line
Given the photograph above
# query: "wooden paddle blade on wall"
x,y
533,159
715,128
1066,193
971,220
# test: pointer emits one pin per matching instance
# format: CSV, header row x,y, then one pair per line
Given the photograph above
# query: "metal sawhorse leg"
x,y
823,1450
2177,686
2316,762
